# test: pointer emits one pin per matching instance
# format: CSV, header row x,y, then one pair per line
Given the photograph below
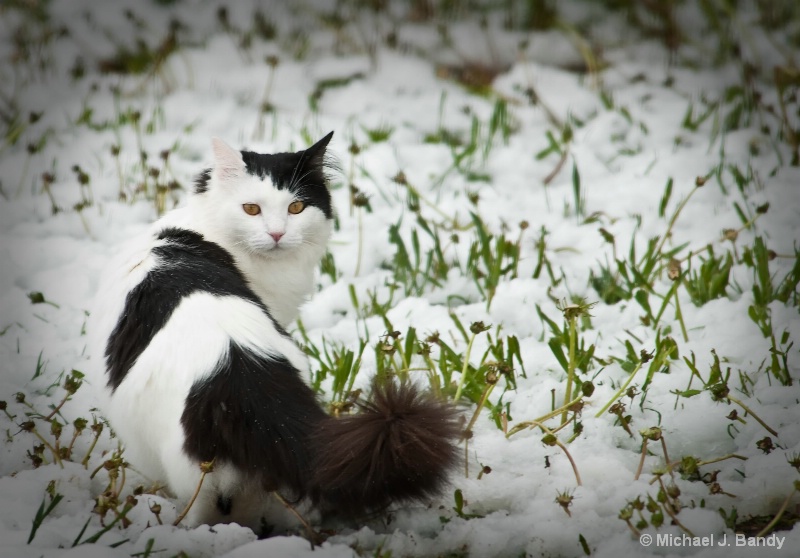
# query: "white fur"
x,y
126,270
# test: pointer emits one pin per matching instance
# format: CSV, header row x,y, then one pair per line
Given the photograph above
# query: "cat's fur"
x,y
196,364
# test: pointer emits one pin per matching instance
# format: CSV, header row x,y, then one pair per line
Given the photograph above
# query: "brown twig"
x,y
206,468
313,536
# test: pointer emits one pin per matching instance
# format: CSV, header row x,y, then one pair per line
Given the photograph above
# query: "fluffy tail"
x,y
400,447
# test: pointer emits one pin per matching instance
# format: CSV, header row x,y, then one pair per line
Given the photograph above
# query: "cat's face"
x,y
268,205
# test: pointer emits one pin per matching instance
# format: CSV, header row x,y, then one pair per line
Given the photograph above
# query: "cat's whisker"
x,y
295,183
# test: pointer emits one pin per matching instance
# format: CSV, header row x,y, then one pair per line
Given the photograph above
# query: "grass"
x,y
443,233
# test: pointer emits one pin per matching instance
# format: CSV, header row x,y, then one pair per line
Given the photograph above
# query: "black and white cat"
x,y
195,364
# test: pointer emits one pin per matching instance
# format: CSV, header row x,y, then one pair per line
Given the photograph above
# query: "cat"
x,y
196,364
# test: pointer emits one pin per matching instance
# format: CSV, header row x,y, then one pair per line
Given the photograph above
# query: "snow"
x,y
213,87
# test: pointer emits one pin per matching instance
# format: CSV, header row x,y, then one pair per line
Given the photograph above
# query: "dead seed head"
x,y
478,327
674,269
564,499
700,181
730,234
83,178
645,356
653,433
361,200
549,440
765,445
719,392
689,465
72,383
35,298
575,310
762,209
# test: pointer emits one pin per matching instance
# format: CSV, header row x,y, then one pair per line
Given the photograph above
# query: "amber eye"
x,y
251,208
296,207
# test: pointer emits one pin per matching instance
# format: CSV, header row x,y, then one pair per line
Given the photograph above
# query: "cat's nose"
x,y
276,236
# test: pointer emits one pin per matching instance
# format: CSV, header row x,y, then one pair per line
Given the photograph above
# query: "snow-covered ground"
x,y
373,74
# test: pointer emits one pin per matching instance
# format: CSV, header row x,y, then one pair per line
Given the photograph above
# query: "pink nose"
x,y
276,236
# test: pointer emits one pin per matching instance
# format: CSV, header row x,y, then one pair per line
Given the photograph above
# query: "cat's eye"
x,y
251,208
296,207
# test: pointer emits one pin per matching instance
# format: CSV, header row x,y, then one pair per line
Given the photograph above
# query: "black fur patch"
x,y
187,264
257,414
201,182
302,173
224,505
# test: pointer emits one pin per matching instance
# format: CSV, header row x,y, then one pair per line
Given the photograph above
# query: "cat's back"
x,y
148,280
176,312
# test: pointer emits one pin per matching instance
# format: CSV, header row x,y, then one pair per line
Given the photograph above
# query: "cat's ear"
x,y
314,156
228,163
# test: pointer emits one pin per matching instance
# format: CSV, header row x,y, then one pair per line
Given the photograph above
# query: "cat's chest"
x,y
283,285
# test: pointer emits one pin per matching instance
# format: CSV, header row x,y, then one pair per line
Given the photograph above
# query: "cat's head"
x,y
270,205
